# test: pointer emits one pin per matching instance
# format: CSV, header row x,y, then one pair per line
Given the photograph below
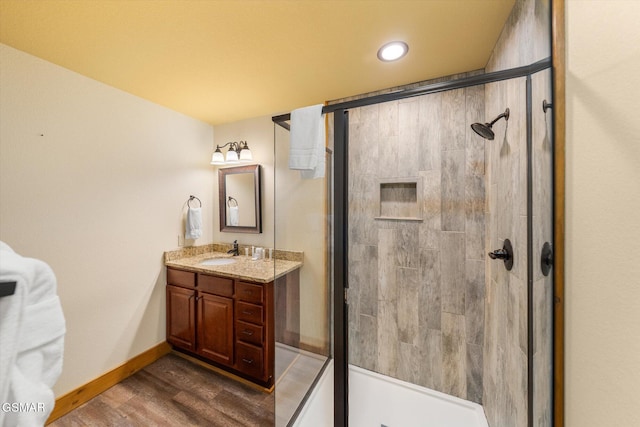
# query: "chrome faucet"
x,y
234,251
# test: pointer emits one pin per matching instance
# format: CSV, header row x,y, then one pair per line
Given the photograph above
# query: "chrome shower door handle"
x,y
505,254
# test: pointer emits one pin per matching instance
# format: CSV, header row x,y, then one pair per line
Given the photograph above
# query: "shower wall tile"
x,y
409,134
407,244
368,280
453,281
431,130
474,372
454,356
429,289
453,118
431,228
474,217
474,302
408,305
387,246
409,365
453,218
388,338
431,359
475,145
388,157
388,120
367,341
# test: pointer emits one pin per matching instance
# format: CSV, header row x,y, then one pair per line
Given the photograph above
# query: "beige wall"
x,y
258,132
94,182
293,216
602,226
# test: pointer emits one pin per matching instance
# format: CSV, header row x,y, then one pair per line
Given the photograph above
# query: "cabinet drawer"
x,y
249,292
249,359
249,312
215,285
186,279
249,332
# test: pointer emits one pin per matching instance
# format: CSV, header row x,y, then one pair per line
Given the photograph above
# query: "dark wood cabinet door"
x,y
215,328
181,330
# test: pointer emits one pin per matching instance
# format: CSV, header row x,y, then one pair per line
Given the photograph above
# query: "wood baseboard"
x,y
83,394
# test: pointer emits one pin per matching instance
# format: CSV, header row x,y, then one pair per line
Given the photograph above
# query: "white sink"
x,y
218,261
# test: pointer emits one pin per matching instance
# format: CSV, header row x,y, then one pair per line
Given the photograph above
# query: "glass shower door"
x,y
302,298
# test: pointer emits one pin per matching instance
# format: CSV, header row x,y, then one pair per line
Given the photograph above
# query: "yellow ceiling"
x,y
221,60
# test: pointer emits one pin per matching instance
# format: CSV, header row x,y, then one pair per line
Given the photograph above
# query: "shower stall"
x,y
442,244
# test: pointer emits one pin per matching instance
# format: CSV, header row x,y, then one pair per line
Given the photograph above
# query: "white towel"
x,y
307,150
193,228
32,329
234,216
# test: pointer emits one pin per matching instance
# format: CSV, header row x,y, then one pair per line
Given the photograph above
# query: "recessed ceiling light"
x,y
392,51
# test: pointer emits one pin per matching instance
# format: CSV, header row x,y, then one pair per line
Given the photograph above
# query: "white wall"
x,y
602,227
93,181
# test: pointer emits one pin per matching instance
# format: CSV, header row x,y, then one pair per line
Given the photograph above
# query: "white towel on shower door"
x,y
307,142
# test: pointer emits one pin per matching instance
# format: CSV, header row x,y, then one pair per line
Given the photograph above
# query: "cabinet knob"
x,y
248,361
247,332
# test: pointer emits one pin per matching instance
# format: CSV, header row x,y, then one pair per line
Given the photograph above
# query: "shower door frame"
x,y
341,252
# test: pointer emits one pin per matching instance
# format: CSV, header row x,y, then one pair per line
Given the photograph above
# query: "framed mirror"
x,y
239,199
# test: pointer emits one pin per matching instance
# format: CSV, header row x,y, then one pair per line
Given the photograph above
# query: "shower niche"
x,y
399,199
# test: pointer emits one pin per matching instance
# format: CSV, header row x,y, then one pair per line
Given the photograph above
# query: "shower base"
x,y
378,400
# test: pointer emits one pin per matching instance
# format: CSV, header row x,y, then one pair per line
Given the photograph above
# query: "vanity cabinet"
x,y
226,322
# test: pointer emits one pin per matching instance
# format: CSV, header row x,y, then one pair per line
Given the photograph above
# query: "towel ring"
x,y
232,200
191,198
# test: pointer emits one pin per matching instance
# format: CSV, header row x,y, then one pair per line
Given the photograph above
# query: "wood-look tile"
x,y
474,372
453,118
429,295
408,305
429,156
474,302
454,356
431,226
431,359
452,275
409,363
387,329
453,185
367,342
474,205
409,134
387,246
407,243
475,145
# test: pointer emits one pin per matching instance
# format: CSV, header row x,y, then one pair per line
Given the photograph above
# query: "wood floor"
x,y
175,392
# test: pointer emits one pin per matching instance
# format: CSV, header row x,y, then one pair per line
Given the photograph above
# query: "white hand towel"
x,y
193,227
234,216
307,150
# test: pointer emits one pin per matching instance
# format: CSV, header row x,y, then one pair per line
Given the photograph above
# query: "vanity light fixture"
x,y
238,152
393,51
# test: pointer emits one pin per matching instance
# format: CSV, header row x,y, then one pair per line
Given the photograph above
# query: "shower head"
x,y
484,129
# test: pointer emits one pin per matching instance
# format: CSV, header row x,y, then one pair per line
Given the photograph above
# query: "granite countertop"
x,y
244,267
